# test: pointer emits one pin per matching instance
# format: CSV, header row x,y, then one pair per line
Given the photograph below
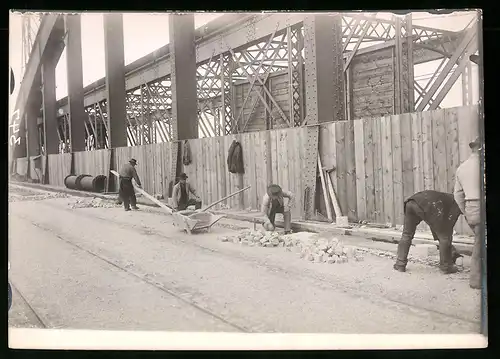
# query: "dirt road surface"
x,y
104,268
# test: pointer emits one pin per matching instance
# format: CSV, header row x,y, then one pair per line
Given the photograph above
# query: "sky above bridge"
x,y
144,33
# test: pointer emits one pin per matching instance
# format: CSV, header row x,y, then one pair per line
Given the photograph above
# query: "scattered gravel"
x,y
92,203
33,196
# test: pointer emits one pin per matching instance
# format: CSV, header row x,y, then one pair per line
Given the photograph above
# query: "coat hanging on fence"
x,y
186,156
235,158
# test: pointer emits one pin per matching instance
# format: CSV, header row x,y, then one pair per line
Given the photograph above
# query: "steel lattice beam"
x,y
158,64
252,48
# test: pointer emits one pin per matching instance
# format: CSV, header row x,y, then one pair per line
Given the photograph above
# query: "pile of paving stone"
x,y
92,203
259,238
308,245
330,250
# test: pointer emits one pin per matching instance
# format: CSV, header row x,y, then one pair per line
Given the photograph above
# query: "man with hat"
x,y
467,194
276,200
440,211
126,192
180,194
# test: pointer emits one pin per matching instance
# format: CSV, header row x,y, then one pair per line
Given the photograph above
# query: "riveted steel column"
x,y
324,68
183,77
115,80
184,120
49,106
75,82
324,91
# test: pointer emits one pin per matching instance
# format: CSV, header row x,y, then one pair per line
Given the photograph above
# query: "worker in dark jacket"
x,y
440,211
126,192
181,193
235,158
276,200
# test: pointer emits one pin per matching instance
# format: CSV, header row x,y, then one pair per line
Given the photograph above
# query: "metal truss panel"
x,y
258,27
470,36
43,44
247,34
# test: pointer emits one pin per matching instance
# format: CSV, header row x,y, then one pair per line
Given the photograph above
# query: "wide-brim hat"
x,y
133,160
274,190
476,143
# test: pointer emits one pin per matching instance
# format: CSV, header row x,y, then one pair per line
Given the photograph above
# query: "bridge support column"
x,y
75,82
32,136
115,80
183,77
325,93
49,104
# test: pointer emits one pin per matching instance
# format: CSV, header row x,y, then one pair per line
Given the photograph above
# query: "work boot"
x,y
135,207
402,259
287,218
446,262
127,209
399,268
450,269
455,256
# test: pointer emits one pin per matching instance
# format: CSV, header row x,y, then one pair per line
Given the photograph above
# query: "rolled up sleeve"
x,y
459,194
265,204
291,198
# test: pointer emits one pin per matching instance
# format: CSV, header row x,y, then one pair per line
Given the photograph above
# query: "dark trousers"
x,y
413,216
473,217
190,202
287,217
127,193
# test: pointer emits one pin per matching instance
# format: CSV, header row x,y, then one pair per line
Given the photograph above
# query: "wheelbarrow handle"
x,y
223,199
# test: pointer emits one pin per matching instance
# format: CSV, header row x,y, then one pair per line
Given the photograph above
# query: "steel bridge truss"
x,y
149,106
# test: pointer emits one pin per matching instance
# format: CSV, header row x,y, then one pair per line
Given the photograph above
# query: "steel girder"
x,y
439,84
252,50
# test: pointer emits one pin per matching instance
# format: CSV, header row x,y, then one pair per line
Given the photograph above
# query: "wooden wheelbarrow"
x,y
200,219
188,220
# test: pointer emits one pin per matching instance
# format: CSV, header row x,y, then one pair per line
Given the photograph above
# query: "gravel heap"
x,y
92,203
309,246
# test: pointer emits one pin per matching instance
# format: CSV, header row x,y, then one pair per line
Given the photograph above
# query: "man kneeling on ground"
x,y
440,211
181,193
275,201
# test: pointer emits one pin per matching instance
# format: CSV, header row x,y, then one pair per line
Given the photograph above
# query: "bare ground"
x,y
103,268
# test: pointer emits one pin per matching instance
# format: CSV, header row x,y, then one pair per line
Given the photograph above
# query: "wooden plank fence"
x,y
284,148
378,163
397,156
59,168
92,163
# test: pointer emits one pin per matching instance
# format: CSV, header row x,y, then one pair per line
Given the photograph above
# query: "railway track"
x,y
315,278
142,277
17,293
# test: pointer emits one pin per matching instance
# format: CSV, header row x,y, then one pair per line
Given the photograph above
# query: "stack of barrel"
x,y
86,183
